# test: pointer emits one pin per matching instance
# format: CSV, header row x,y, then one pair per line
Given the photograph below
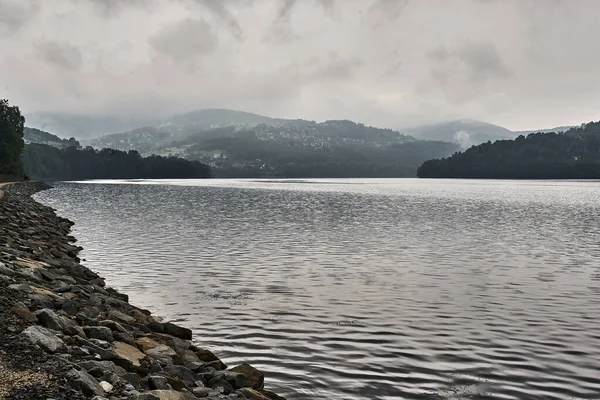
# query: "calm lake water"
x,y
364,289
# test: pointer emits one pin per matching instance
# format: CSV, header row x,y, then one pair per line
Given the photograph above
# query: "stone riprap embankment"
x,y
65,335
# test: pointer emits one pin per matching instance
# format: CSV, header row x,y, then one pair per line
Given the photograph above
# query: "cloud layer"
x,y
391,63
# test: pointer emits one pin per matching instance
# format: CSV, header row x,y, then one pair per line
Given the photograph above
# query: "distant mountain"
x,y
32,135
574,154
160,133
557,129
464,132
82,126
236,143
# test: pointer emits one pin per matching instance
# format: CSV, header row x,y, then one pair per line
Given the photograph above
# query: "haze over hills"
x,y
465,132
241,144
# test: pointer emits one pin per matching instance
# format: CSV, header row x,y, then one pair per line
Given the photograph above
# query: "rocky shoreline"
x,y
65,335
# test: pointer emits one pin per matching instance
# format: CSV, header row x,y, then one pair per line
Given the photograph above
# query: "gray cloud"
x,y
16,13
185,40
392,63
61,55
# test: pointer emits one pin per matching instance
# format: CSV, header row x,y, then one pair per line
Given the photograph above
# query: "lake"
x,y
363,288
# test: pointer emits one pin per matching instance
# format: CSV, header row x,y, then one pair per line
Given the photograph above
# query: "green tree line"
x,y
574,154
12,124
43,162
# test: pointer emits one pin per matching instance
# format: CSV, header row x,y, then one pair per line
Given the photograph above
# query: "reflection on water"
x,y
370,289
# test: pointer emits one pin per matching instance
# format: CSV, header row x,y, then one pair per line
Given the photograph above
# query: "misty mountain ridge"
x,y
464,132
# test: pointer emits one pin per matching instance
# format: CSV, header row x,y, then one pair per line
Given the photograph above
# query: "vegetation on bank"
x,y
574,154
43,162
12,125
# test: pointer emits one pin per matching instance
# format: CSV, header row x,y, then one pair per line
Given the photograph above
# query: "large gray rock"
x,y
81,380
99,332
44,338
181,372
173,395
254,378
49,319
144,396
202,392
158,382
177,331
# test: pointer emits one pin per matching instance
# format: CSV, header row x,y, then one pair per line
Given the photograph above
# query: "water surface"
x,y
364,289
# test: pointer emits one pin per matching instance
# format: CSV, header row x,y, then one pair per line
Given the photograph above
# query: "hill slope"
x,y
33,135
574,154
464,132
238,144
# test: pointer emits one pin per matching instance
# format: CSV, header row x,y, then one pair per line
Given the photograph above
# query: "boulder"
x,y
173,395
113,325
181,372
103,365
99,332
22,311
49,319
177,331
202,392
161,351
143,396
128,352
252,394
145,344
44,338
124,337
107,387
157,382
207,356
254,378
81,380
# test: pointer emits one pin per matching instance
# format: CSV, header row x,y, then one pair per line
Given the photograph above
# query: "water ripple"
x,y
378,289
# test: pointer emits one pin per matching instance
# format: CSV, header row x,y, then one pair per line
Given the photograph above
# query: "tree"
x,y
12,124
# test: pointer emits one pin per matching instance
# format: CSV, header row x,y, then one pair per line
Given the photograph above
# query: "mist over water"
x,y
364,289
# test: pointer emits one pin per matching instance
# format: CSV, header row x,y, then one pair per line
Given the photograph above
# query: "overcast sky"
x,y
391,63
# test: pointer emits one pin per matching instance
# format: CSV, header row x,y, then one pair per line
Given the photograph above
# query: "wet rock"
x,y
83,381
177,331
99,332
222,387
206,356
252,394
217,365
254,378
44,338
49,319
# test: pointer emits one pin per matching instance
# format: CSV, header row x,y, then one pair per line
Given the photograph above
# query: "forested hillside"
x,y
42,162
239,144
33,135
574,154
12,124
